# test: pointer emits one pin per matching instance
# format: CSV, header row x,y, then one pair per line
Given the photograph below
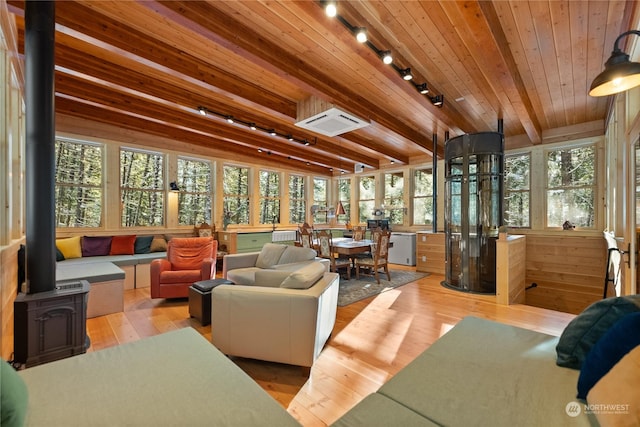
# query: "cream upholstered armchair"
x,y
284,319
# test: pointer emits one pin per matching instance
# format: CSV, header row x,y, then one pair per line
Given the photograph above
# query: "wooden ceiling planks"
x,y
154,62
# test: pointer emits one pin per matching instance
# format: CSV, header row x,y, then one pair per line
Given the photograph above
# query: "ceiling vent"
x,y
332,122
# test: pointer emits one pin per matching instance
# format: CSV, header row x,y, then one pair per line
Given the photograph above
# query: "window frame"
x,y
88,187
277,199
415,198
528,190
594,185
207,195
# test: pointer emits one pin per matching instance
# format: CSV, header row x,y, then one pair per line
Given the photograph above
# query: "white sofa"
x,y
274,322
241,268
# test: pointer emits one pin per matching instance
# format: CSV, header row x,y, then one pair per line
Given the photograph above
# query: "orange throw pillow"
x,y
123,245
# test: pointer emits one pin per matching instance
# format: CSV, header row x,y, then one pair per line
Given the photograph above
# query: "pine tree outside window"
x,y
394,197
571,186
320,186
517,172
366,203
269,197
79,184
195,195
297,206
236,195
423,197
142,188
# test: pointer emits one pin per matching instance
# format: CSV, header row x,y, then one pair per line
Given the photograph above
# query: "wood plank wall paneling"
x,y
8,292
430,256
568,270
511,256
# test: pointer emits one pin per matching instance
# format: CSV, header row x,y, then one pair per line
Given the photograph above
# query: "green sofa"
x,y
480,373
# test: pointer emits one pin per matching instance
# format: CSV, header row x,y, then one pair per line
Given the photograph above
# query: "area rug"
x,y
355,290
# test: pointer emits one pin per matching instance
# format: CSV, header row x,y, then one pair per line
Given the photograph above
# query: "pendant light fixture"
x,y
619,73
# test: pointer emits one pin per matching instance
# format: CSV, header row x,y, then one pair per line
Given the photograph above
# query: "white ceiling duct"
x,y
332,122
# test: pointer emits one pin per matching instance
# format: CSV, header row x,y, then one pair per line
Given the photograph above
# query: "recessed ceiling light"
x,y
460,99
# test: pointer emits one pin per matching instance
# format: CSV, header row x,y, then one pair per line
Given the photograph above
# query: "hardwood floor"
x,y
372,340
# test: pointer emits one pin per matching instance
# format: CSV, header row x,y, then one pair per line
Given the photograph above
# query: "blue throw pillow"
x,y
588,327
59,256
623,337
142,245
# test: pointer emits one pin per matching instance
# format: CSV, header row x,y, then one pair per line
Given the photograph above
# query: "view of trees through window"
x,y
423,197
320,199
571,186
394,197
142,188
516,193
79,184
194,198
236,195
366,203
81,174
344,196
297,204
269,197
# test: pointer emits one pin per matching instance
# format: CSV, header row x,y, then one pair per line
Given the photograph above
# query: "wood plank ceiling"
x,y
147,65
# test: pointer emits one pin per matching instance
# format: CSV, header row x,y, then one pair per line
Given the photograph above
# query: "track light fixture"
x,y
386,57
251,125
619,73
330,9
361,34
422,88
438,100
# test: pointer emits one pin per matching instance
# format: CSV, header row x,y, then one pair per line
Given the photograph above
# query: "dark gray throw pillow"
x,y
588,327
142,245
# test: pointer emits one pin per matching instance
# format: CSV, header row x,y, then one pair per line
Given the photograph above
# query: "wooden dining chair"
x,y
359,232
378,258
325,250
305,236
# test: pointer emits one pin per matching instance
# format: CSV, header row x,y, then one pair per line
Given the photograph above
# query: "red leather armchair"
x,y
189,260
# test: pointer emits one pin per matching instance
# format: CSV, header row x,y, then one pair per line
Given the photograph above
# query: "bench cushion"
x,y
174,379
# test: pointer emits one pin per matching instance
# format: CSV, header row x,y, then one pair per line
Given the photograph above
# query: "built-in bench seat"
x,y
109,276
135,267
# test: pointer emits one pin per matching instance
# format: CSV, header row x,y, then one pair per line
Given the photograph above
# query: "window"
x,y
366,204
423,197
320,200
296,199
78,184
394,196
269,197
517,190
344,197
236,195
141,188
571,186
194,198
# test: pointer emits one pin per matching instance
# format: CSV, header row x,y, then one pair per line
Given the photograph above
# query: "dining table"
x,y
348,246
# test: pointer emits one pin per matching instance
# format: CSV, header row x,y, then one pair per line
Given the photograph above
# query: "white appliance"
x,y
403,250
